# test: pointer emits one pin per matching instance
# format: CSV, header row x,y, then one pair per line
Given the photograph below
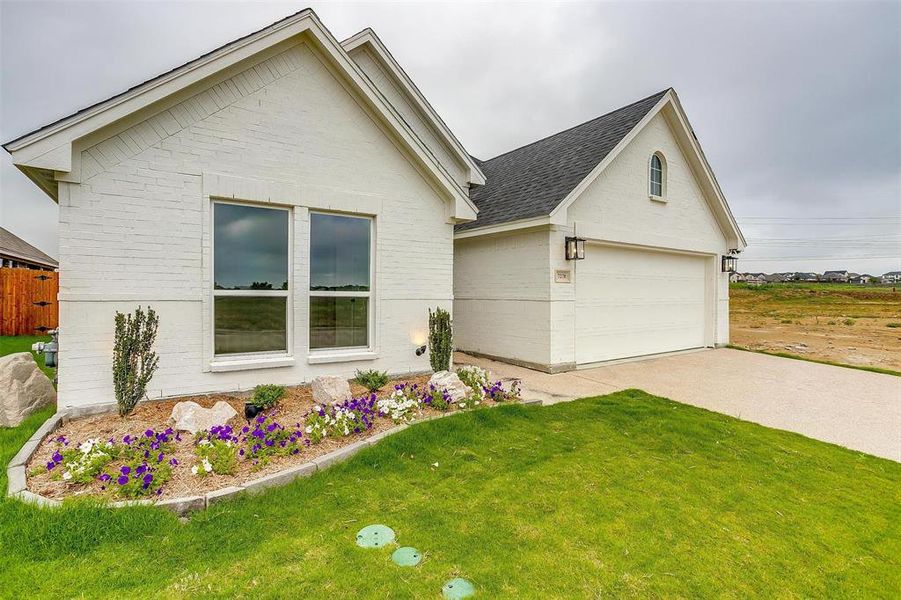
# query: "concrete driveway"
x,y
856,409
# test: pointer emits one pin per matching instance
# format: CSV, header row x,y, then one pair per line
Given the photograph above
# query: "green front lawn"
x,y
621,495
22,343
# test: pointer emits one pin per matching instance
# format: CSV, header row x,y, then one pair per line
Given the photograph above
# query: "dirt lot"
x,y
856,325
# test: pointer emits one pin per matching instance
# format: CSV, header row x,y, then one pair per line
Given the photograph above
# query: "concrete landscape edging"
x,y
17,487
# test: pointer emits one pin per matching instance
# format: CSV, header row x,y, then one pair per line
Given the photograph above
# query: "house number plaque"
x,y
562,276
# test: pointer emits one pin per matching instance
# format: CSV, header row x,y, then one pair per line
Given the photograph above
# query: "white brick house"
x,y
287,203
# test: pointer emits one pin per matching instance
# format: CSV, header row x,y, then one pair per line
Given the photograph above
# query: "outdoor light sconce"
x,y
575,248
421,350
730,263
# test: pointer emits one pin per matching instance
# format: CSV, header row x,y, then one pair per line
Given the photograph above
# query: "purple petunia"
x,y
125,470
104,477
149,433
173,462
123,479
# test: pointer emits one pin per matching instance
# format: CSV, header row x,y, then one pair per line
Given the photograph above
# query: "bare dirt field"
x,y
849,324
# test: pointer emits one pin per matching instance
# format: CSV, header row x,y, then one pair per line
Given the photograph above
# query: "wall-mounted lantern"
x,y
575,248
421,350
730,264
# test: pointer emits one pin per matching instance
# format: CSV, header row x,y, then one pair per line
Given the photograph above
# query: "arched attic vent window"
x,y
657,176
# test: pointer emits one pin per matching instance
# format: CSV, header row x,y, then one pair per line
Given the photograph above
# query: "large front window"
x,y
340,286
250,279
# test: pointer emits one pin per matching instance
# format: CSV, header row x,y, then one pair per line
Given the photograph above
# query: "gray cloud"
x,y
796,104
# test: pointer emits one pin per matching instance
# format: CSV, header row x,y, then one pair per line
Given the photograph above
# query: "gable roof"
x,y
13,246
49,150
369,39
533,180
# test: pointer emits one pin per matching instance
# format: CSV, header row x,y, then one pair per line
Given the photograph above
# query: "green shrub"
x,y
473,376
134,360
441,340
893,325
267,396
372,380
848,322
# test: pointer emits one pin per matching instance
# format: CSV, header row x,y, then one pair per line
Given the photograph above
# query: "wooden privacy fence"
x,y
28,304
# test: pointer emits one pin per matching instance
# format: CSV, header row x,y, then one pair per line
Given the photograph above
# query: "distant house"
x,y
17,253
755,278
891,277
775,278
737,278
860,279
836,276
806,277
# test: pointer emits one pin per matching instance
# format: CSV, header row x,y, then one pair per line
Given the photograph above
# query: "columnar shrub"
x,y
134,360
441,339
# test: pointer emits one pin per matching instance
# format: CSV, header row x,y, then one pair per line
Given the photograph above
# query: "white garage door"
x,y
637,302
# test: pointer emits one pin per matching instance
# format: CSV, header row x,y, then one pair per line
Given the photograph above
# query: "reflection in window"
x,y
250,279
340,286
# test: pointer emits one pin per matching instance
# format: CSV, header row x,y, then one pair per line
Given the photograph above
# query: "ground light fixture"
x,y
421,350
575,248
730,263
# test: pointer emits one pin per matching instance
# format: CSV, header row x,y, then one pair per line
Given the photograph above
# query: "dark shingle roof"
x,y
531,181
12,246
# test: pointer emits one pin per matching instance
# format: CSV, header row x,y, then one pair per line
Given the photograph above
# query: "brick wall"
x,y
136,229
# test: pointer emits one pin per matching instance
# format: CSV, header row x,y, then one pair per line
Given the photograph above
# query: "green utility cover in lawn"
x,y
457,589
375,536
406,557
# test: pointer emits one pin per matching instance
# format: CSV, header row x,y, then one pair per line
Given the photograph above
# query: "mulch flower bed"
x,y
142,456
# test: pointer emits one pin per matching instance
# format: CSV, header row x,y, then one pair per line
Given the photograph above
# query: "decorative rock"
x,y
190,416
329,390
450,381
23,388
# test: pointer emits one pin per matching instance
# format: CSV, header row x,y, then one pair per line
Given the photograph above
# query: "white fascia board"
x,y
504,227
370,38
669,98
50,141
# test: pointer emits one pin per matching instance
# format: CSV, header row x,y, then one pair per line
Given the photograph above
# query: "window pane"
x,y
339,253
251,324
337,322
251,248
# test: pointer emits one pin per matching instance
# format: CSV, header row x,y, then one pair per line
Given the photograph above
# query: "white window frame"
x,y
337,351
662,196
287,294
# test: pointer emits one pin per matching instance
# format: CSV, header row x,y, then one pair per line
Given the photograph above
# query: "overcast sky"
x,y
797,105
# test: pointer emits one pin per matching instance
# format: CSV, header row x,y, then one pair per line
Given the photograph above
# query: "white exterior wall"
x,y
616,208
411,114
502,294
137,229
507,302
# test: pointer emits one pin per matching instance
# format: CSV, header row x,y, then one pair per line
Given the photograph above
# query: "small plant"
x,y
269,438
439,399
401,406
141,467
217,450
848,322
342,419
372,380
267,396
497,393
441,340
893,325
473,376
134,361
82,464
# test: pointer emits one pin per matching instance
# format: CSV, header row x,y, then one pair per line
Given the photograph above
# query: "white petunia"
x,y
194,470
207,466
67,476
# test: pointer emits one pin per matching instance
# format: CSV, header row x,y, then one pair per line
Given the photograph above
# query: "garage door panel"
x,y
638,302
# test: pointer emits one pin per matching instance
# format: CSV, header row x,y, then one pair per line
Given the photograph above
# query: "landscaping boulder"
x,y
450,381
190,416
329,390
23,388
